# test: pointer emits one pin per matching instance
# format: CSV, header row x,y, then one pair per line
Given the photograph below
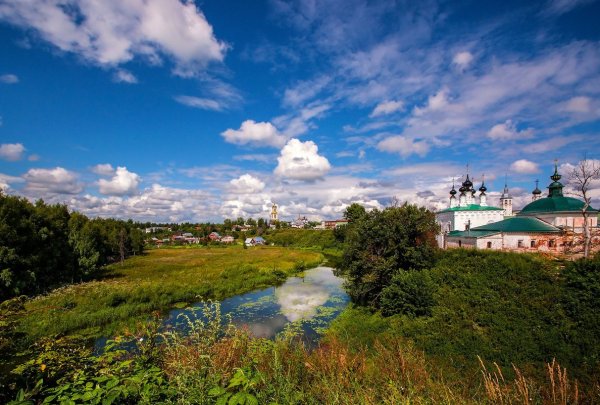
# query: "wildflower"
x,y
42,367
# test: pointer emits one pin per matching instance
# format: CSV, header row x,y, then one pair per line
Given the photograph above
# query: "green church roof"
x,y
472,207
554,204
519,224
472,233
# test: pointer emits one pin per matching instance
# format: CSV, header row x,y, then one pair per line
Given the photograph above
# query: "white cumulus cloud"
x,y
506,131
11,151
246,184
463,59
255,134
104,169
524,166
387,107
403,146
123,182
112,32
124,76
51,181
301,161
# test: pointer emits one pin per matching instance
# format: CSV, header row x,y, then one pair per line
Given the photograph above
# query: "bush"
x,y
410,293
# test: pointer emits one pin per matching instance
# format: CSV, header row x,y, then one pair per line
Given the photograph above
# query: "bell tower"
x,y
274,216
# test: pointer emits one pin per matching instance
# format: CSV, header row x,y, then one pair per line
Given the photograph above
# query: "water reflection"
x,y
312,301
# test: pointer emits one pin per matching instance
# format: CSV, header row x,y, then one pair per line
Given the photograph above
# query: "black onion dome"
x,y
537,191
483,188
467,183
453,191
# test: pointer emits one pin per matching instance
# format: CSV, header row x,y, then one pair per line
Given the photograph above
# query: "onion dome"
x,y
483,188
453,191
537,191
467,183
462,189
555,188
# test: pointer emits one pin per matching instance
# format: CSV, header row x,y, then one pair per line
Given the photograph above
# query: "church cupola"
x,y
482,195
555,189
506,200
274,215
537,193
453,202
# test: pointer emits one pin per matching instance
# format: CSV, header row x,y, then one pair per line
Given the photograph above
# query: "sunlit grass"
x,y
159,280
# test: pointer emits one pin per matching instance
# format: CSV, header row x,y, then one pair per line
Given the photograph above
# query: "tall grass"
x,y
216,362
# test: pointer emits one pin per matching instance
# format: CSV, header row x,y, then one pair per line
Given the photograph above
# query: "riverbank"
x,y
159,280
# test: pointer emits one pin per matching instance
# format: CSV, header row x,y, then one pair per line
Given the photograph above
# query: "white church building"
x,y
470,210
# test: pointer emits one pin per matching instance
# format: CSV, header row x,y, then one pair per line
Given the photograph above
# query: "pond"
x,y
309,302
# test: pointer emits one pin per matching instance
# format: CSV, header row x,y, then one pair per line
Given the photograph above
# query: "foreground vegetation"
x,y
224,365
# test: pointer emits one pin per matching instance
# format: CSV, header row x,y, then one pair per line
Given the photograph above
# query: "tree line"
x,y
43,246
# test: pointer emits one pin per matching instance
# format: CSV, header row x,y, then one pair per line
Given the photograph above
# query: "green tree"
x,y
384,243
354,212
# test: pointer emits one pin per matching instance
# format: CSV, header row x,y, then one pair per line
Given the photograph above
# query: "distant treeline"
x,y
43,246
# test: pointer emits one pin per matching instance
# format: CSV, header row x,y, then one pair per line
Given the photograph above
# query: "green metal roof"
x,y
472,233
472,207
554,204
519,224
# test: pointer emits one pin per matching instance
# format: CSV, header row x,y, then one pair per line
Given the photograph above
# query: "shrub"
x,y
409,293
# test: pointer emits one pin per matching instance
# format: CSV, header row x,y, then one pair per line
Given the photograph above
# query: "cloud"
x,y
9,79
113,32
255,134
124,76
403,146
198,102
11,151
507,131
104,169
578,104
6,180
246,184
51,181
436,102
301,161
462,59
524,166
123,182
387,107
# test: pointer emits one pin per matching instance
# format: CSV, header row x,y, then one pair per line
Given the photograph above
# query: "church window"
x,y
551,243
533,243
489,245
459,243
520,243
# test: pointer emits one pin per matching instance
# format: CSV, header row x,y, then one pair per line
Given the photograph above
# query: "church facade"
x,y
553,224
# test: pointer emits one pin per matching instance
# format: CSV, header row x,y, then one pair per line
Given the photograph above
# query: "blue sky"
x,y
169,110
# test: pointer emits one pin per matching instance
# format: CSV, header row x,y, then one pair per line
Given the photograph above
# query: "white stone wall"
x,y
570,221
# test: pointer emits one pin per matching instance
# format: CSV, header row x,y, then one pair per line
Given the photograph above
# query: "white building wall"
x,y
571,221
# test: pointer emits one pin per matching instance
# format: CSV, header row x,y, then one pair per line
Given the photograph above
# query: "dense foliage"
x,y
303,238
382,244
504,307
43,246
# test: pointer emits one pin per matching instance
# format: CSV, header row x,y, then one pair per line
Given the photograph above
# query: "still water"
x,y
311,301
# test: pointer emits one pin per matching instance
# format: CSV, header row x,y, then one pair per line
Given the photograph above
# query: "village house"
x,y
333,224
227,239
214,236
255,241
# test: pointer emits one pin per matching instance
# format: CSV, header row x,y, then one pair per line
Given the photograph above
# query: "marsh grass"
x,y
129,292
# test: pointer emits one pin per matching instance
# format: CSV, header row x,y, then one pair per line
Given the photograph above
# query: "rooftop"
x,y
519,224
555,204
472,207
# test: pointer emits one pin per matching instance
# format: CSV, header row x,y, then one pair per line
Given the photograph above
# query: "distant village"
x,y
250,231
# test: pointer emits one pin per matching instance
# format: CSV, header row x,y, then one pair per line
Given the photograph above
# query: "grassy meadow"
x,y
158,280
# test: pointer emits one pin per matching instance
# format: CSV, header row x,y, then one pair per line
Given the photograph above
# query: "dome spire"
x,y
555,188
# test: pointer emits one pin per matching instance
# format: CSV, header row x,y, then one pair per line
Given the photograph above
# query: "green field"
x,y
158,280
